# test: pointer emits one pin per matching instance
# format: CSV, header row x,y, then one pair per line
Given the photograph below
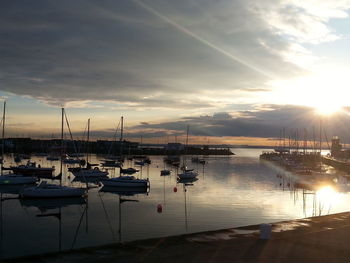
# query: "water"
x,y
230,192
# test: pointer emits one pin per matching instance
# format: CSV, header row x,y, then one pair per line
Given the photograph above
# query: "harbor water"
x,y
231,191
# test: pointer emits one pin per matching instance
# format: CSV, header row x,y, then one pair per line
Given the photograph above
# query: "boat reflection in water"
x,y
122,193
186,183
57,204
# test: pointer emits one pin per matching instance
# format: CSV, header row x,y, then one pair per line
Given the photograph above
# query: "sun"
x,y
326,92
327,109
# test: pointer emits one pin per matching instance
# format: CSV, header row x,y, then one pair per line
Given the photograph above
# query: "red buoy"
x,y
175,189
159,208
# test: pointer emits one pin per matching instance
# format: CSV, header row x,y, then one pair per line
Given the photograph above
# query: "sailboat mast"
x,y
61,163
121,135
88,141
3,136
320,135
186,146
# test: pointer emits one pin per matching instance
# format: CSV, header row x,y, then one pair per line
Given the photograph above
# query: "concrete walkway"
x,y
318,239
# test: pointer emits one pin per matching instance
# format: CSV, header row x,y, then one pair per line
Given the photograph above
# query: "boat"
x,y
69,160
165,172
140,163
111,163
31,169
45,190
11,179
125,181
187,173
128,170
88,172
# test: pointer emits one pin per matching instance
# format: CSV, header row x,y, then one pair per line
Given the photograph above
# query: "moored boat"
x,y
11,179
187,174
125,181
31,169
45,190
87,172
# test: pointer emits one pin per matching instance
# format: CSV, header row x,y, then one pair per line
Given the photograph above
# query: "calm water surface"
x,y
230,192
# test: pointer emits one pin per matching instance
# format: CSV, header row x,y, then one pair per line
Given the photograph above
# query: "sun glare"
x,y
326,92
327,109
327,195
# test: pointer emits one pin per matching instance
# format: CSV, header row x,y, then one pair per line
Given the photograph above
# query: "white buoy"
x,y
265,231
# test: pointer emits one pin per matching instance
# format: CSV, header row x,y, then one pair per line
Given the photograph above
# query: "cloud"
x,y
157,54
267,122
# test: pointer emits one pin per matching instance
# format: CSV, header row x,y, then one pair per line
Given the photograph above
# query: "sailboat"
x,y
122,180
88,171
45,190
187,173
12,178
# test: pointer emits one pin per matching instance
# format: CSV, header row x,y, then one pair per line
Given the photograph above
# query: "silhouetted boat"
x,y
129,170
11,179
125,181
186,173
31,169
165,172
87,172
111,163
45,190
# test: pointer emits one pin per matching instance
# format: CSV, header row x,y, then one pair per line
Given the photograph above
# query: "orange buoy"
x,y
175,189
159,208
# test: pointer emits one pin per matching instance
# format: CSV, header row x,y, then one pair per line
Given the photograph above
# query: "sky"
x,y
235,71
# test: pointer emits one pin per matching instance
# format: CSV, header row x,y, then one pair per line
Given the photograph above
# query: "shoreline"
x,y
314,239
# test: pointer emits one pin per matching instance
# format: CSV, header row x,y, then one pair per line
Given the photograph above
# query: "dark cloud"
x,y
262,123
62,51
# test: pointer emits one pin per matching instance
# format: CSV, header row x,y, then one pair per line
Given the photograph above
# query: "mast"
x,y
320,135
3,137
186,146
61,163
88,140
121,135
